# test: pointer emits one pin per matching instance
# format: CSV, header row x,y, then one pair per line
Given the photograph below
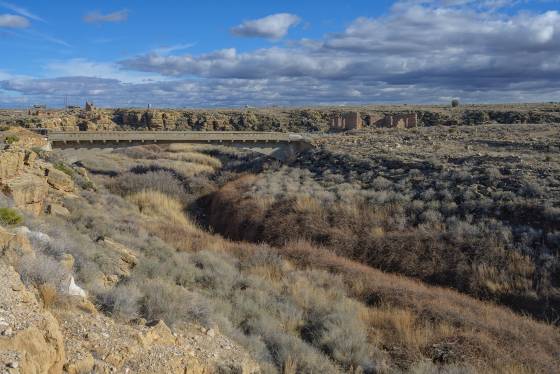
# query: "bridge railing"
x,y
169,136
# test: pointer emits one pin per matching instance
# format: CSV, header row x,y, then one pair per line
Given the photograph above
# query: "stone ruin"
x,y
89,107
346,121
37,110
400,121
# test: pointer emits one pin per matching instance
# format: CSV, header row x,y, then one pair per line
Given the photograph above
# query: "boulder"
x,y
28,192
60,180
14,246
158,333
127,258
57,210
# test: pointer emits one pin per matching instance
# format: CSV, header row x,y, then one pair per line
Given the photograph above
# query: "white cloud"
x,y
13,21
164,50
94,69
274,26
21,11
442,47
426,51
97,17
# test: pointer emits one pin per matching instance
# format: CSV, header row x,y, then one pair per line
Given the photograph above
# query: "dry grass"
x,y
186,169
194,157
492,337
170,222
49,295
159,205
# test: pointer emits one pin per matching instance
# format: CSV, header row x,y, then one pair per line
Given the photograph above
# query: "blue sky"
x,y
215,53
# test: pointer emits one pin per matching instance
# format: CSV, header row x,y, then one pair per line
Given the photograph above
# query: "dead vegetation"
x,y
297,307
432,204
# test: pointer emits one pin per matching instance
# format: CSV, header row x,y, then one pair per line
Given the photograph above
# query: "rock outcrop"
x,y
59,180
30,337
12,162
28,192
13,246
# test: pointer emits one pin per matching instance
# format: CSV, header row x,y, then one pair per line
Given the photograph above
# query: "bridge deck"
x,y
172,136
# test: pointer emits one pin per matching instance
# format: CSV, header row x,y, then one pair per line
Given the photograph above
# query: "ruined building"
x,y
346,121
400,121
89,107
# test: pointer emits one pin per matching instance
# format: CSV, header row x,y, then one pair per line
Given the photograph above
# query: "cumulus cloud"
x,y
426,51
13,21
97,17
274,26
417,44
227,63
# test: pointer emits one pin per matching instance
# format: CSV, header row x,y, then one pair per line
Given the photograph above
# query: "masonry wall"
x,y
346,121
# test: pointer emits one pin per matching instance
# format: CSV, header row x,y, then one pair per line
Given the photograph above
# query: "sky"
x,y
277,52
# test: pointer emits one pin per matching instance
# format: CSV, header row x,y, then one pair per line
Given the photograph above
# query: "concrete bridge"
x,y
281,146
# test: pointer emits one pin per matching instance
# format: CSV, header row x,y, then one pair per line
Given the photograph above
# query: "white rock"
x,y
74,289
12,365
8,332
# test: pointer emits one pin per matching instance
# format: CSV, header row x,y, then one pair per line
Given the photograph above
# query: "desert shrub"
x,y
335,328
9,216
532,189
41,269
86,184
162,300
161,181
10,139
381,183
123,300
215,274
64,168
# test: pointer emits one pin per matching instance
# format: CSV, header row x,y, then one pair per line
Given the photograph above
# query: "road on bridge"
x,y
173,136
276,144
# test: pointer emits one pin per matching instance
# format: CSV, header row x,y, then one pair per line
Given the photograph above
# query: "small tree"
x,y
455,103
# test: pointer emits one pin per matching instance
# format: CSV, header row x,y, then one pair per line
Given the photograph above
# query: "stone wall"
x,y
400,121
346,121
